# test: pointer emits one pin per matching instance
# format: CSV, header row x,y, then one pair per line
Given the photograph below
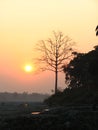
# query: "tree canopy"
x,y
82,71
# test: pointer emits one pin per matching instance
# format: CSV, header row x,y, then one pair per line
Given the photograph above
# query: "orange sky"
x,y
24,22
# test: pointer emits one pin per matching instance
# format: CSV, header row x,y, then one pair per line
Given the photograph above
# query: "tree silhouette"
x,y
96,30
82,71
54,52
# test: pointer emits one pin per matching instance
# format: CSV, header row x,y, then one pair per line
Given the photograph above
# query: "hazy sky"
x,y
24,22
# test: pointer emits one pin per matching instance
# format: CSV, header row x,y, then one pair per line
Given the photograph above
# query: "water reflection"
x,y
35,113
40,112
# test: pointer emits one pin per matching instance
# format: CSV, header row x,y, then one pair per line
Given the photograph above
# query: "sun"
x,y
29,68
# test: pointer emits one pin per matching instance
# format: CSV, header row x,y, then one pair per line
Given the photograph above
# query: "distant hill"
x,y
22,97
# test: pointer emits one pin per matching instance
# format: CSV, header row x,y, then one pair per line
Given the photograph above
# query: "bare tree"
x,y
54,52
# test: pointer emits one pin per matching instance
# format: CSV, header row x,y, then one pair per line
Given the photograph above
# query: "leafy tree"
x,y
54,52
82,71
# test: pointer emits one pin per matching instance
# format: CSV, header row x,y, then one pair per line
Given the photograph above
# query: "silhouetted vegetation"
x,y
81,74
74,96
53,54
82,71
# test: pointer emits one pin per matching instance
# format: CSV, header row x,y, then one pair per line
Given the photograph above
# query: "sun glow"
x,y
29,68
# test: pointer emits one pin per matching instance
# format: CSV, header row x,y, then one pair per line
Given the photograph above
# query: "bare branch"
x,y
54,52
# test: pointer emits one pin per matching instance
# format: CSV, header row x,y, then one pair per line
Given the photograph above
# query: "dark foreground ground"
x,y
58,118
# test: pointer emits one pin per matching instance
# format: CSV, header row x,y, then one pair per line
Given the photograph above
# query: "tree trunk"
x,y
56,81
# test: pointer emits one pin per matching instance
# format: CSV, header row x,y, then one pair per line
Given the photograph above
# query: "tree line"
x,y
19,97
